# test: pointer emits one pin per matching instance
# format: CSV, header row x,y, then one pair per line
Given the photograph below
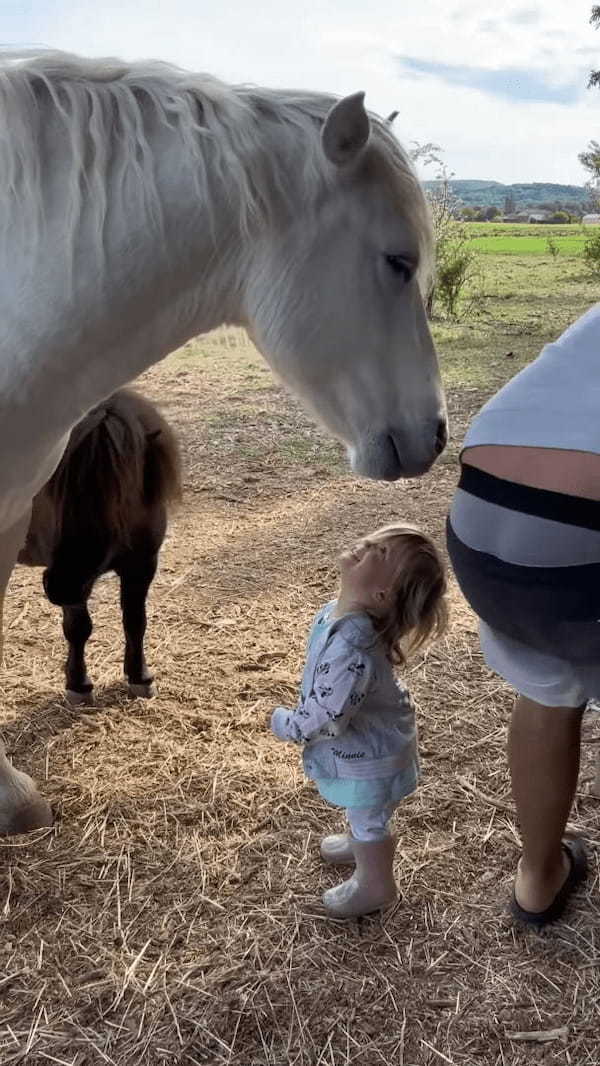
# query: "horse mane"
x,y
263,142
121,458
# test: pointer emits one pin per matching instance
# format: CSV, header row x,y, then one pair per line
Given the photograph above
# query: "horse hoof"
x,y
22,807
36,815
145,691
79,699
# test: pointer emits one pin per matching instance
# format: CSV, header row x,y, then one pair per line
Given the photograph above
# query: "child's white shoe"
x,y
371,887
337,849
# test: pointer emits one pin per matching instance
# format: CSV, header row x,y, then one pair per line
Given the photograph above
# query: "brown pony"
x,y
105,508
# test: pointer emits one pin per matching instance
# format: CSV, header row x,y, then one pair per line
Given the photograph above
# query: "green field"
x,y
572,246
521,239
517,301
525,229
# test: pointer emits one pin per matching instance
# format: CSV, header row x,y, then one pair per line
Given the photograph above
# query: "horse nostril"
x,y
441,437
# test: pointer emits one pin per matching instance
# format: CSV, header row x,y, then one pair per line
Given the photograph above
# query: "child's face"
x,y
369,571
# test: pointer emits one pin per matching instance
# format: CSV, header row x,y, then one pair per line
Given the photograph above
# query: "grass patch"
x,y
526,245
523,229
518,306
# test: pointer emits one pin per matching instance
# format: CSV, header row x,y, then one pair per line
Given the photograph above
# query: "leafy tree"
x,y
595,21
591,253
553,248
454,258
590,159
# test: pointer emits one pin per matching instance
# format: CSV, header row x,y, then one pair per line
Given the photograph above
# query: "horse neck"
x,y
152,285
192,244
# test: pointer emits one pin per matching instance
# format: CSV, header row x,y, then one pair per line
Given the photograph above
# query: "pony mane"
x,y
265,143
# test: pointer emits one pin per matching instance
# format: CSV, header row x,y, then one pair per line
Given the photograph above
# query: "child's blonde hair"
x,y
418,611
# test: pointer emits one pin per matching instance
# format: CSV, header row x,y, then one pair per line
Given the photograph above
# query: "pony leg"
x,y
22,808
136,576
77,628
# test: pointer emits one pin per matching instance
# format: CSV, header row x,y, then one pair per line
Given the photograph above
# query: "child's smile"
x,y
369,570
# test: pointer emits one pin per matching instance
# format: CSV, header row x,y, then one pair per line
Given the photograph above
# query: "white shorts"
x,y
541,677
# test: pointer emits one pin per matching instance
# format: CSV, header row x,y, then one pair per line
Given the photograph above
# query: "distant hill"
x,y
536,194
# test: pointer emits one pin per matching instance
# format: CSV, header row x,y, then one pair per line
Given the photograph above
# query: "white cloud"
x,y
342,45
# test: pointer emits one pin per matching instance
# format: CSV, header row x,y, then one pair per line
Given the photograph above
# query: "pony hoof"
x,y
145,691
79,699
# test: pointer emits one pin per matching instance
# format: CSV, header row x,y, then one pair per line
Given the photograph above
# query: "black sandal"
x,y
575,850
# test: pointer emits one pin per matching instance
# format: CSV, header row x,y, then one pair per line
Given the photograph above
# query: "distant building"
x,y
591,220
521,216
539,216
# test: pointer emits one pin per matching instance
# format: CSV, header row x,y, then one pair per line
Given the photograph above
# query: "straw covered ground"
x,y
173,914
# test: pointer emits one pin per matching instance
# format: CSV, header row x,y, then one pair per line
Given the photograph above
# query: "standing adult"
x,y
524,540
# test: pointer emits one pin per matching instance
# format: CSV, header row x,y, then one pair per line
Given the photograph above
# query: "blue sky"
x,y
517,85
501,89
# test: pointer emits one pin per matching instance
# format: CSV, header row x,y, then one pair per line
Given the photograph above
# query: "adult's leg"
x,y
543,751
22,808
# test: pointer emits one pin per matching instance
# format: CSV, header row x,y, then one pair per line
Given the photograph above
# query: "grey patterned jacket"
x,y
354,719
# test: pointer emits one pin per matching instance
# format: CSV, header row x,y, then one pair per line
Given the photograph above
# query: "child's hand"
x,y
280,722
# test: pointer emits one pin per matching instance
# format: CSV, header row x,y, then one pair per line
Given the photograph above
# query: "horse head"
x,y
335,301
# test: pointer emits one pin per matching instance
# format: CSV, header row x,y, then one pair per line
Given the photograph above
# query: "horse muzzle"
x,y
400,453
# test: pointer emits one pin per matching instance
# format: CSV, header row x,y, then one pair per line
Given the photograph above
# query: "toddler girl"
x,y
357,724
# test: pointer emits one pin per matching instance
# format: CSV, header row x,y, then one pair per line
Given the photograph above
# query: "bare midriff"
x,y
574,473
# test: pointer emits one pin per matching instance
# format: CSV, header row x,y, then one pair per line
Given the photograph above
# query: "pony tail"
x,y
101,472
162,466
123,454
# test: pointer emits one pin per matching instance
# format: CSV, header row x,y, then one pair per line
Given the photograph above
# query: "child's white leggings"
x,y
369,824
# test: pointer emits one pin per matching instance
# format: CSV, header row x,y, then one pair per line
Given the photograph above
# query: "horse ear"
x,y
346,130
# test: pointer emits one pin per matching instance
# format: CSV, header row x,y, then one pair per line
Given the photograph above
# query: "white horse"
x,y
142,205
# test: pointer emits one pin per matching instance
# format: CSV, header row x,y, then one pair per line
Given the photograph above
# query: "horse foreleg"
x,y
77,628
596,781
22,808
11,542
136,576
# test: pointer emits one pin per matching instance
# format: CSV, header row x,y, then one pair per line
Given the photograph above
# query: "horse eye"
x,y
401,266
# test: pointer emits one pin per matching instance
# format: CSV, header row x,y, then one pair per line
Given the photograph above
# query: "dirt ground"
x,y
173,914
